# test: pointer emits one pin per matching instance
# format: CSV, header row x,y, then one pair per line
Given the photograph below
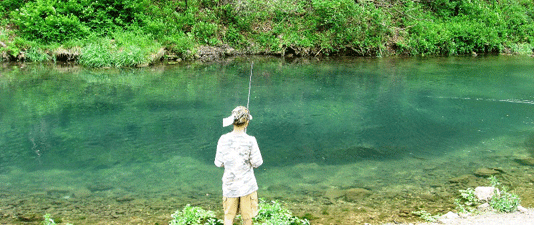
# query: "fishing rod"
x,y
229,120
249,88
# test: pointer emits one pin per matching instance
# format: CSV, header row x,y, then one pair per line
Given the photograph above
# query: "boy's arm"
x,y
218,155
255,155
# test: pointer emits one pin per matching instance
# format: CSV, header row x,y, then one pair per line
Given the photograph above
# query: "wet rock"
x,y
529,161
333,193
484,207
81,193
212,53
355,194
485,193
99,187
125,199
29,217
464,179
487,172
57,191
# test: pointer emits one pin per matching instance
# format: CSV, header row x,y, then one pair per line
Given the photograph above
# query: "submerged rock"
x,y
529,161
464,179
349,195
334,193
355,194
484,207
487,172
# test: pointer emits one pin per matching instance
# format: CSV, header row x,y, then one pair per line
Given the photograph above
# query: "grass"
x,y
126,49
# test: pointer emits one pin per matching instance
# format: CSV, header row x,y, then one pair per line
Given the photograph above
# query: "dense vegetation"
x,y
136,32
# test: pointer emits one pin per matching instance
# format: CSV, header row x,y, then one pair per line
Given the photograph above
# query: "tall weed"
x,y
126,49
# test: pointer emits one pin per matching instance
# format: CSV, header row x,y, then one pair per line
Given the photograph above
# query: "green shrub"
x,y
502,200
233,37
275,214
194,215
180,43
48,220
40,20
205,33
423,214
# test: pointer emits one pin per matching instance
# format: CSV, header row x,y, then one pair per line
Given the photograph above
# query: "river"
x,y
344,141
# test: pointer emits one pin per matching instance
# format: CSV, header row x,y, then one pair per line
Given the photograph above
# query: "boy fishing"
x,y
239,153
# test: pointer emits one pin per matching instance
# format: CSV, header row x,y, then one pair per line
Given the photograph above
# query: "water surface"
x,y
137,144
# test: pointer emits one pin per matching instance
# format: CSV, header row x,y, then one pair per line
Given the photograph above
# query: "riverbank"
x,y
140,33
492,218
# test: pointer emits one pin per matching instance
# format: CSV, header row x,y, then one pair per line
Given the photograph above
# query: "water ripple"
x,y
516,101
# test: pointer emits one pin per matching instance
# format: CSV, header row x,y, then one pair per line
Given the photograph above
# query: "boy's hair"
x,y
241,116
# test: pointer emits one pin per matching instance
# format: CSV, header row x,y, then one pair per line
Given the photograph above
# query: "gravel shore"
x,y
490,218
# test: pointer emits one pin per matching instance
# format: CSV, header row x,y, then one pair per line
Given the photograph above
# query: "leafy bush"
x,y
40,20
194,215
468,202
57,21
274,214
205,33
502,200
426,216
48,220
269,214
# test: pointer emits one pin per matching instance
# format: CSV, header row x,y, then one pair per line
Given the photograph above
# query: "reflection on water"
x,y
145,139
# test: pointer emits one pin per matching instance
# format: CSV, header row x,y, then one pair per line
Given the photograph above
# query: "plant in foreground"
x,y
270,213
502,200
423,214
47,220
274,214
194,215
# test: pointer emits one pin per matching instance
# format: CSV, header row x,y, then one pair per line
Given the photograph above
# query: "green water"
x,y
149,135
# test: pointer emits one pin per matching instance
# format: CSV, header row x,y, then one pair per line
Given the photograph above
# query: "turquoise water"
x,y
149,135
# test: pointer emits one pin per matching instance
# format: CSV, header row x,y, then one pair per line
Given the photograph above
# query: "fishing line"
x,y
249,87
250,84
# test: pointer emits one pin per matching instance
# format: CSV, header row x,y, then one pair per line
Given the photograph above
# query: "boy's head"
x,y
241,116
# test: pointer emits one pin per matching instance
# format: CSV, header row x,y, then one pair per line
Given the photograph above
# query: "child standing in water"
x,y
239,153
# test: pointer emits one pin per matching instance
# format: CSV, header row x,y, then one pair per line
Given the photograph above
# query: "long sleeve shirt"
x,y
238,154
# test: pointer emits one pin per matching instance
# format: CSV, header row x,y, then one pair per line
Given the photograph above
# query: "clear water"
x,y
146,137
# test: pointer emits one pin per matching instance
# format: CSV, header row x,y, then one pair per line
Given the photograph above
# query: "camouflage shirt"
x,y
238,154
